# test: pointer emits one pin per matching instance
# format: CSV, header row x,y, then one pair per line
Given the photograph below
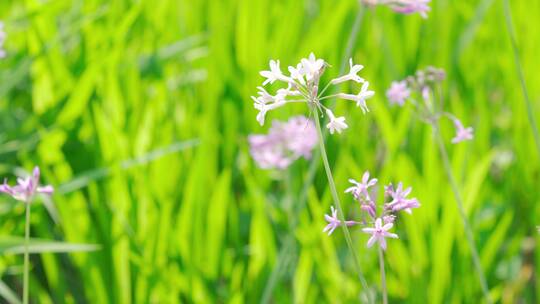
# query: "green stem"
x,y
308,181
26,254
459,203
519,69
383,276
335,197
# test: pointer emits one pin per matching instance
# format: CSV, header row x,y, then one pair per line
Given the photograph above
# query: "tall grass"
x,y
91,85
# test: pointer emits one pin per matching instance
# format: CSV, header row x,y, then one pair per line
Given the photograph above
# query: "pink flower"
x,y
26,188
399,199
334,222
412,6
398,92
284,143
361,187
461,132
379,233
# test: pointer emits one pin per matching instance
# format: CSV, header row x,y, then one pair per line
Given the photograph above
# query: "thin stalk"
x,y
26,254
459,203
383,276
335,197
290,242
521,75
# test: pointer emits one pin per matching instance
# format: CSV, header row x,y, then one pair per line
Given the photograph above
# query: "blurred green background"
x,y
138,112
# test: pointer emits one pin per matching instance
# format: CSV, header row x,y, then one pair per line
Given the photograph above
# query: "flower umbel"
x,y
303,87
419,90
378,225
26,188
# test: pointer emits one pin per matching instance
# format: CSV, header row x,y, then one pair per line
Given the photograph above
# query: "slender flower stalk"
x,y
461,209
378,226
429,107
337,202
310,176
25,191
383,276
26,253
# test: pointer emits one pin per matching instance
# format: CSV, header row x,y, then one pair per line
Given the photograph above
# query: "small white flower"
x,y
266,102
352,75
274,73
297,73
312,67
336,124
360,98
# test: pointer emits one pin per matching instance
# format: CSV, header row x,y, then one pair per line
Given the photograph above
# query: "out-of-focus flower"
x,y
284,143
352,75
379,233
399,199
462,133
411,6
398,92
421,90
26,188
336,124
2,40
360,188
360,98
303,87
334,222
403,6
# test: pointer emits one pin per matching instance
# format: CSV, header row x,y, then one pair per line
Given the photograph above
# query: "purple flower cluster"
x,y
26,188
396,200
422,84
284,143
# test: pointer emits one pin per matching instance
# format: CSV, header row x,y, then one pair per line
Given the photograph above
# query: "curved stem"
x,y
26,254
519,69
335,197
459,203
383,276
